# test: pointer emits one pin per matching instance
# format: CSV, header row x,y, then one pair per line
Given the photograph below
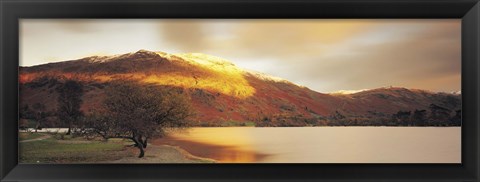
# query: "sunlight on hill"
x,y
192,70
214,74
231,86
237,87
224,77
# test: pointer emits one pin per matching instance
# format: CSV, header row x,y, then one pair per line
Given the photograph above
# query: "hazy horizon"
x,y
323,55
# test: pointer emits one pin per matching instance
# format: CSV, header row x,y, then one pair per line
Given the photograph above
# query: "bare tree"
x,y
39,115
139,112
69,100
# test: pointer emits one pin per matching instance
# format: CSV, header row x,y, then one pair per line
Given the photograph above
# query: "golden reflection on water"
x,y
226,136
321,144
227,145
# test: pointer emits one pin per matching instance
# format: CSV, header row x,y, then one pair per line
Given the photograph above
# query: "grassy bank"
x,y
60,148
71,150
29,136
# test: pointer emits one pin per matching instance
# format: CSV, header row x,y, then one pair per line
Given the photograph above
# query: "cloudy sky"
x,y
324,55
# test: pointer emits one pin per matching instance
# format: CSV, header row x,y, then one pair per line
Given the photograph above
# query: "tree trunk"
x,y
69,128
139,146
142,152
37,125
136,142
145,143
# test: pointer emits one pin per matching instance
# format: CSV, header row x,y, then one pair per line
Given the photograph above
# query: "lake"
x,y
321,144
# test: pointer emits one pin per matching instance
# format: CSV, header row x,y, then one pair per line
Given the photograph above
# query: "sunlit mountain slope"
x,y
222,93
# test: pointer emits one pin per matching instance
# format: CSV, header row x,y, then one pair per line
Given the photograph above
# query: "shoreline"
x,y
218,146
193,157
124,152
219,153
162,154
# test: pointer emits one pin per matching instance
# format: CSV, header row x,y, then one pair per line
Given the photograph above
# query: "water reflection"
x,y
224,154
322,144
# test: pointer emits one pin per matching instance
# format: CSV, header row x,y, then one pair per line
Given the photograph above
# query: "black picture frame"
x,y
467,10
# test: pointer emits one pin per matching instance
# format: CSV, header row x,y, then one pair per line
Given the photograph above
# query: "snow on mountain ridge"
x,y
220,64
347,92
208,61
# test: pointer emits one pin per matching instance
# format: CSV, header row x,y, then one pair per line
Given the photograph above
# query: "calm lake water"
x,y
322,144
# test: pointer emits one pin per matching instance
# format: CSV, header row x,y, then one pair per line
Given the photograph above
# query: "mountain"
x,y
224,94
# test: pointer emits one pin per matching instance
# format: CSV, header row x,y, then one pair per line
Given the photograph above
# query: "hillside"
x,y
224,94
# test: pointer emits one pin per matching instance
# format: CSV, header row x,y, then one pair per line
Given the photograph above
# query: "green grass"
x,y
232,123
69,151
29,136
249,123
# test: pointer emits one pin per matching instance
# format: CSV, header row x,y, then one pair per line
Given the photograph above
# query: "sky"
x,y
325,55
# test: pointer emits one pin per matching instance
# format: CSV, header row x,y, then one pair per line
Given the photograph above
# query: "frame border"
x,y
11,11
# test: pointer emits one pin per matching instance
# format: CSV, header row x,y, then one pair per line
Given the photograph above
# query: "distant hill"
x,y
226,95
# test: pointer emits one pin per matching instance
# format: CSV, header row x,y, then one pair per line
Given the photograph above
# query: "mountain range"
x,y
225,95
